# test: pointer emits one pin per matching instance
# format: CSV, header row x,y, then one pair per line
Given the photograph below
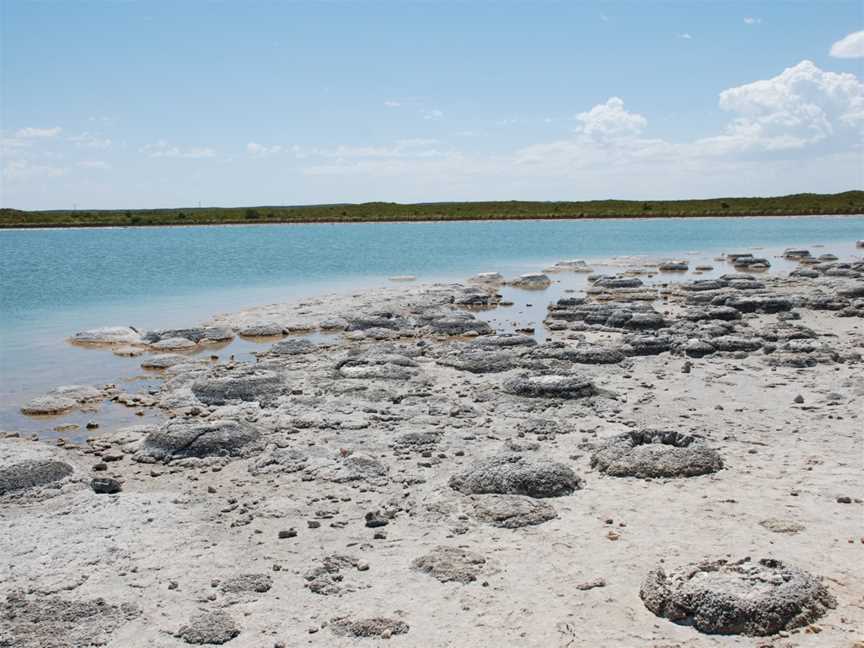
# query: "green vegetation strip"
x,y
849,202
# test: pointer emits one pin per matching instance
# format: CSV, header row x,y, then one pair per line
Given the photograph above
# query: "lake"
x,y
57,282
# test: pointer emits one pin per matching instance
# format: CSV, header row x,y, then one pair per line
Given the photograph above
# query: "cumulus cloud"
x,y
802,105
751,20
610,120
852,46
33,133
433,114
163,149
403,148
392,104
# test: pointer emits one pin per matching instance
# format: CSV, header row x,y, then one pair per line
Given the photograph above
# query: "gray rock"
x,y
451,564
179,439
108,335
736,343
532,281
32,473
262,329
481,361
173,344
243,583
163,361
515,475
655,453
381,627
242,384
503,341
618,282
48,405
279,460
105,486
580,354
744,597
644,345
293,346
697,348
566,386
511,511
53,622
210,628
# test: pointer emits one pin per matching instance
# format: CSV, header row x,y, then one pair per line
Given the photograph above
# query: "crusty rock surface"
x,y
451,564
515,475
209,628
755,598
211,438
31,473
656,453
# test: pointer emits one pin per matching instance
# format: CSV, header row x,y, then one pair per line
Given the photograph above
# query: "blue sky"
x,y
119,104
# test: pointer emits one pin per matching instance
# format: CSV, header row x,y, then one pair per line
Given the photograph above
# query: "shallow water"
x,y
57,282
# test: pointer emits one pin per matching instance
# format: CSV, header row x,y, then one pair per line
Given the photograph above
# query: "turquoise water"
x,y
56,282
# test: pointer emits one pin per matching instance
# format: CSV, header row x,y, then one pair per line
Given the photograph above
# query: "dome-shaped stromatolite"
x,y
514,475
245,385
744,597
28,474
550,386
655,453
182,439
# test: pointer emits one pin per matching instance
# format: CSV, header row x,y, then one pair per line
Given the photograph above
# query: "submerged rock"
x,y
515,475
744,597
48,405
654,453
108,335
532,281
262,329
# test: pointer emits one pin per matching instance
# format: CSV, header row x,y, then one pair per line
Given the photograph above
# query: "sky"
x,y
140,104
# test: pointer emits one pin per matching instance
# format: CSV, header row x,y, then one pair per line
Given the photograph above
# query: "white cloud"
x,y
750,20
86,140
260,150
162,149
32,133
852,46
433,114
685,36
802,105
610,120
93,164
392,104
799,130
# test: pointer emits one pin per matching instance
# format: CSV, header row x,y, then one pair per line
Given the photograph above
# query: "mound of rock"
x,y
209,628
262,329
532,281
293,346
245,384
247,583
515,475
181,439
579,354
381,627
163,361
655,453
511,511
53,622
450,564
566,386
744,597
32,473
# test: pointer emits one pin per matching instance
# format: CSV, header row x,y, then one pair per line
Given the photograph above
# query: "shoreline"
x,y
397,221
397,472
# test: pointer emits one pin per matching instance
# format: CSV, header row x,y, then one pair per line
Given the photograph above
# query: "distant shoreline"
x,y
23,227
849,203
